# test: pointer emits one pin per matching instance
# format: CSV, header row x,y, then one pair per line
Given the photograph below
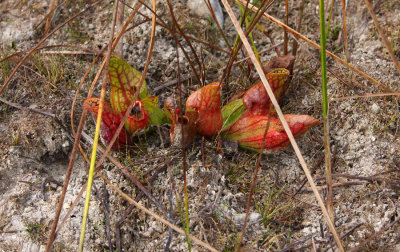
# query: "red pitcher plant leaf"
x,y
110,121
138,119
249,131
256,98
124,81
207,103
183,128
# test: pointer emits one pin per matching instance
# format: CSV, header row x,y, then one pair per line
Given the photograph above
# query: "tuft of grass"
x,y
273,207
270,206
15,138
5,67
76,32
36,231
51,67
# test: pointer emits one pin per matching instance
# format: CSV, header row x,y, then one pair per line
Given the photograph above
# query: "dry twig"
x,y
284,123
383,36
316,46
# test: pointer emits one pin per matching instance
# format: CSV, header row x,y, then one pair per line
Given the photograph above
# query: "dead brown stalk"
x,y
252,189
316,46
284,123
385,41
29,53
49,16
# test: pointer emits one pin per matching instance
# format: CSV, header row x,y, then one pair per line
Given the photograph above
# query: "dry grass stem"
x,y
154,215
49,16
316,46
328,169
18,106
120,24
364,96
69,52
346,45
285,34
386,42
335,185
29,53
295,44
284,123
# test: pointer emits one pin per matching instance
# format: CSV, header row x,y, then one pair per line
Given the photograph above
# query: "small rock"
x,y
200,8
363,37
239,218
375,108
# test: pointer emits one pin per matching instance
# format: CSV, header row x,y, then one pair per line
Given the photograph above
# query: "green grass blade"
x,y
248,23
323,59
328,169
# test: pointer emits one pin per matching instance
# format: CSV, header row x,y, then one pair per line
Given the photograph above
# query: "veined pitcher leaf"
x,y
277,79
207,103
256,98
249,131
110,121
124,81
138,119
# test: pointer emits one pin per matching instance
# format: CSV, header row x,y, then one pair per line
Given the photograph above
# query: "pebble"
x,y
200,8
238,219
375,108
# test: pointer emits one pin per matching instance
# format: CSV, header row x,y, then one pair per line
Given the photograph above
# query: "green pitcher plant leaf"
x,y
157,115
231,112
124,81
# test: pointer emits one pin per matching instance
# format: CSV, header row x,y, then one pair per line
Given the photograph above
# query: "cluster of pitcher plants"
x,y
243,119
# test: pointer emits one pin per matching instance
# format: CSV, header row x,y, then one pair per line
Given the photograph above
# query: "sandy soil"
x,y
364,137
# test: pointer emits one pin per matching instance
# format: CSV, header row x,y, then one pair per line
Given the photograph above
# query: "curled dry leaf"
x,y
249,131
183,129
207,103
285,61
110,121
